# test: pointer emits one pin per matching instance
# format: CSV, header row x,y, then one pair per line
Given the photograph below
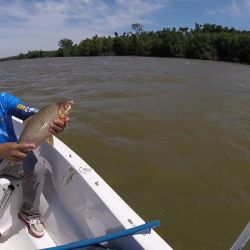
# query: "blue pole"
x,y
123,233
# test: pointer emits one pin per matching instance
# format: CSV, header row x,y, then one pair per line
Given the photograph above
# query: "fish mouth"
x,y
71,102
69,105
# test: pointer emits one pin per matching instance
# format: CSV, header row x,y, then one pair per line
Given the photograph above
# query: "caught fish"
x,y
37,127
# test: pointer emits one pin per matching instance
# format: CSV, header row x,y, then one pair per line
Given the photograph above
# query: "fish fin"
x,y
50,140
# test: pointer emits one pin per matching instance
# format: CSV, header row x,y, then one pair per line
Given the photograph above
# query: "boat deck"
x,y
21,239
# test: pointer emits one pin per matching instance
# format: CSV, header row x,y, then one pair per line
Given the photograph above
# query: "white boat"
x,y
242,239
78,209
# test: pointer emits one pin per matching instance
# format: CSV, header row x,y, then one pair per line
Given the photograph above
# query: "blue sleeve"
x,y
15,107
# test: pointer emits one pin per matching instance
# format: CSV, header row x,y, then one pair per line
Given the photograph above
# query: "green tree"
x,y
66,46
207,41
138,28
65,43
243,48
120,46
200,46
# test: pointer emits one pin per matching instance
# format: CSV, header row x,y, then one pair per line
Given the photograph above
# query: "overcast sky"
x,y
40,24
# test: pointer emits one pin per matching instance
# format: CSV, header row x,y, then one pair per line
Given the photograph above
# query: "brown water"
x,y
171,136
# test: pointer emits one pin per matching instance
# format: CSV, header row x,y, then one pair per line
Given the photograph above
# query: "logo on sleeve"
x,y
26,109
22,107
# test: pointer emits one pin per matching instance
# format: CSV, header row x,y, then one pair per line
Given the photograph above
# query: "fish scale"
x,y
37,127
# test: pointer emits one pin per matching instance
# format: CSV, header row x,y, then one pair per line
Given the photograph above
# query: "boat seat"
x,y
142,229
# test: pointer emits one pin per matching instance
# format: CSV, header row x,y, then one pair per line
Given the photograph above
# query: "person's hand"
x,y
58,126
13,151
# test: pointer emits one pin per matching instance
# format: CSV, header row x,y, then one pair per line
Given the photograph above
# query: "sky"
x,y
39,24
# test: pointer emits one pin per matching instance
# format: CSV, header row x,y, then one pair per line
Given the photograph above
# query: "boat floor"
x,y
21,239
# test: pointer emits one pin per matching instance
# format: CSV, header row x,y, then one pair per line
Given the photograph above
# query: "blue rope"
x,y
145,228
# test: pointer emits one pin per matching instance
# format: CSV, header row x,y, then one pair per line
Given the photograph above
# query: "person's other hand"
x,y
58,126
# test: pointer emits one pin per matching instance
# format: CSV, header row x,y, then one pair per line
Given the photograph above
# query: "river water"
x,y
171,136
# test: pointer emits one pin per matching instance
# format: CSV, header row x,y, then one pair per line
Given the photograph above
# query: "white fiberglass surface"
x,y
77,204
14,234
75,211
70,209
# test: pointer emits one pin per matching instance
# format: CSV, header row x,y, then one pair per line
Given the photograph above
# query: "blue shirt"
x,y
10,105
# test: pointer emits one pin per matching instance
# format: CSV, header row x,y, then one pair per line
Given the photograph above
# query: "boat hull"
x,y
77,204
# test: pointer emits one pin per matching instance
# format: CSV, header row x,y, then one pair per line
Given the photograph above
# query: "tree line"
x,y
207,41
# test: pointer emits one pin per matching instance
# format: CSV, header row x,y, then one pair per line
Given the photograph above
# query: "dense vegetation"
x,y
208,41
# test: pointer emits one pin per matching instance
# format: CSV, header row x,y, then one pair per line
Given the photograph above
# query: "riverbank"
x,y
207,42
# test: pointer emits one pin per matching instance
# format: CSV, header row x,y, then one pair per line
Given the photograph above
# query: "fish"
x,y
37,127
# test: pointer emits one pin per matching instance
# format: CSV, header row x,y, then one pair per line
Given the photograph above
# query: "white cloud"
x,y
28,25
239,8
236,9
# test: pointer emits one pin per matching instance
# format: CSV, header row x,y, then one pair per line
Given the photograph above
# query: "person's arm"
x,y
15,107
13,151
